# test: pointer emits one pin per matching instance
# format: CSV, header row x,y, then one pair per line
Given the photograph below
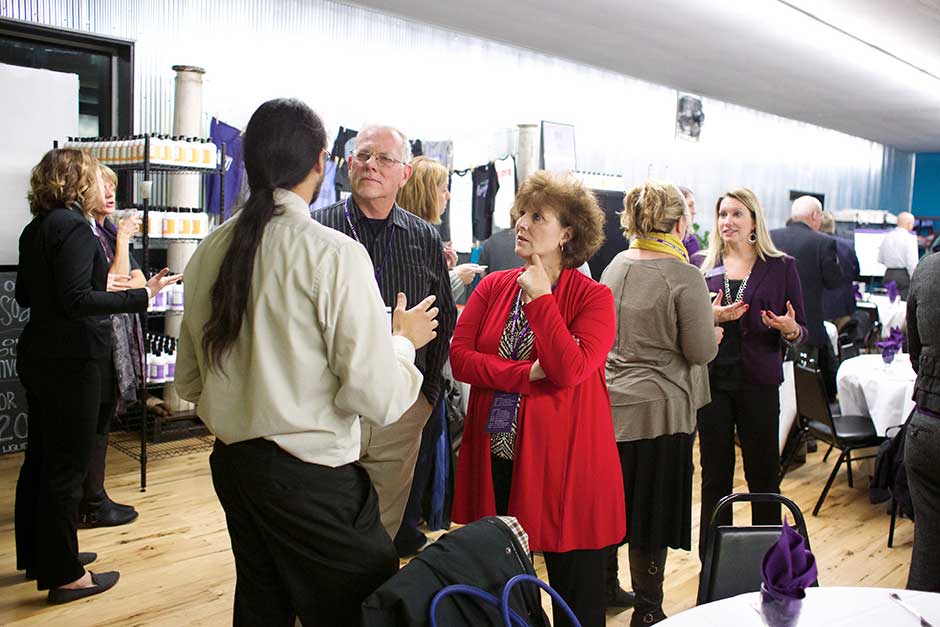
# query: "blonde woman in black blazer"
x,y
64,362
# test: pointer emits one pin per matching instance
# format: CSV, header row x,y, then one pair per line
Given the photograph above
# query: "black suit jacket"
x,y
818,267
841,300
62,277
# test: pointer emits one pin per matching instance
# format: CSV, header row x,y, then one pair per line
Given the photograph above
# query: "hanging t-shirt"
x,y
341,145
485,186
505,193
461,211
327,195
219,133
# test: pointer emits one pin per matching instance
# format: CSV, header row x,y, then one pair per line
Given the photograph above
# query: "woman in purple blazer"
x,y
759,304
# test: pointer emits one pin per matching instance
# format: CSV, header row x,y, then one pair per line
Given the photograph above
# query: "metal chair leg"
x,y
832,477
848,465
894,516
826,456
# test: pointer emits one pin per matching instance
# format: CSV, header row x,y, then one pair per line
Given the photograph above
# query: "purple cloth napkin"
x,y
891,345
788,568
893,293
857,291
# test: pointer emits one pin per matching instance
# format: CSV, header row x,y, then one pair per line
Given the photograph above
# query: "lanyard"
x,y
522,333
389,234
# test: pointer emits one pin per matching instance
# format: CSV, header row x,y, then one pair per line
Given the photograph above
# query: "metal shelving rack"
x,y
176,441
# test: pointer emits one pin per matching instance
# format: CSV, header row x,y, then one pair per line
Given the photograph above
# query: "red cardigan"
x,y
567,488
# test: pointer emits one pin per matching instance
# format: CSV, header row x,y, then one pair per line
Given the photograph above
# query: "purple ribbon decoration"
x,y
893,293
891,345
788,568
857,291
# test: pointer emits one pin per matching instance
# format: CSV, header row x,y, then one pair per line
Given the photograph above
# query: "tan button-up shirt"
x,y
315,351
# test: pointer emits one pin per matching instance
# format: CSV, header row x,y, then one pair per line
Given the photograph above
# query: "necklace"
x,y
740,295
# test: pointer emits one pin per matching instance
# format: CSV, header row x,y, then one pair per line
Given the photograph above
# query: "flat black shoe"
x,y
83,558
620,598
102,581
106,517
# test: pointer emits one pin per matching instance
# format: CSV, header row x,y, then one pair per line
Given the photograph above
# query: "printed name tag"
x,y
502,412
388,312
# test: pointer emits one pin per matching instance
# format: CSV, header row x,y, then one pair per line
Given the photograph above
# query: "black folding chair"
x,y
733,555
846,433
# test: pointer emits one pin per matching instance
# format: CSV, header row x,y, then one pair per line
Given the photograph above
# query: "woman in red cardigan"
x,y
539,441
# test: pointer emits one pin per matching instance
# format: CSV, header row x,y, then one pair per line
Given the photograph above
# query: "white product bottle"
x,y
194,152
170,361
169,223
155,219
185,223
208,154
176,297
200,224
156,149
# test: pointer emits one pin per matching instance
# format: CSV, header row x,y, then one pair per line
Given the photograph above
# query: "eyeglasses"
x,y
384,161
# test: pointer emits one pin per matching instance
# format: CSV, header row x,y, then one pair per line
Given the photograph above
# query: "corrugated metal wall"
x,y
355,65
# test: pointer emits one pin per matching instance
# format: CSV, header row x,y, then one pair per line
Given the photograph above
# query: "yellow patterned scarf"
x,y
662,243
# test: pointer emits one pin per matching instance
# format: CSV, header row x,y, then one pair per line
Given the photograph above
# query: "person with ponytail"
x,y
64,359
664,331
758,302
285,345
539,441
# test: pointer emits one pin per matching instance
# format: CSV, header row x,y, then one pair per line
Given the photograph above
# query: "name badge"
x,y
388,312
503,412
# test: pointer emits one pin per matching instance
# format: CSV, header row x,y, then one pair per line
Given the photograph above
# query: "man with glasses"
x,y
408,256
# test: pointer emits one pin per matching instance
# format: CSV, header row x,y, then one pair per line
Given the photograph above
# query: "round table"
x,y
823,607
869,387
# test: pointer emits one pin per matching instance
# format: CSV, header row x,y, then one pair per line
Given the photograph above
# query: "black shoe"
x,y
106,516
811,445
620,598
83,558
103,582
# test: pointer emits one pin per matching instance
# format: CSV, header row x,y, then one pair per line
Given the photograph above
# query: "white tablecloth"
x,y
822,607
869,387
833,334
891,314
787,403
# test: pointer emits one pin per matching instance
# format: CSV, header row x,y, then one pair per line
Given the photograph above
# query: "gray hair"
x,y
406,145
804,208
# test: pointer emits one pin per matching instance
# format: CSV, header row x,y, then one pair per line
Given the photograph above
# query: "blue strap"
x,y
483,595
504,603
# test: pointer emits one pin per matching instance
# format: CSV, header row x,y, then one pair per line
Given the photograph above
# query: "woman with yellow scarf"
x,y
665,333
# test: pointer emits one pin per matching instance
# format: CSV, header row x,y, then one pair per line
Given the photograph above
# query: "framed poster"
x,y
558,153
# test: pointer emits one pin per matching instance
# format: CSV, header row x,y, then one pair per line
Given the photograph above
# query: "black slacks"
x,y
307,538
754,411
578,576
67,401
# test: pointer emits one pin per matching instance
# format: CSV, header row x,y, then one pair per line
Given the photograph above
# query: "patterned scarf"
x,y
516,335
126,338
662,243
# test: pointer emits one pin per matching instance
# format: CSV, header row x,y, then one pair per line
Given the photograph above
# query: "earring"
x,y
752,238
562,246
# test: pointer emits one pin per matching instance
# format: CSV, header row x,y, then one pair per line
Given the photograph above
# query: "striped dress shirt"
x,y
408,259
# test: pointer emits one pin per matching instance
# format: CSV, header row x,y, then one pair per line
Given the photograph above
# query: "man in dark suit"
x,y
818,267
839,303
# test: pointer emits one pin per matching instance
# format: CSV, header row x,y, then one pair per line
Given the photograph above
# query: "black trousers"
x,y
754,411
578,576
68,400
307,538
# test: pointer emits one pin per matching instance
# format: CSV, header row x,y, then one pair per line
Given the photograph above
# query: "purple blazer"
x,y
772,283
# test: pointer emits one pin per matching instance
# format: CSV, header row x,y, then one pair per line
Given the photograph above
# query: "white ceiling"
x,y
763,54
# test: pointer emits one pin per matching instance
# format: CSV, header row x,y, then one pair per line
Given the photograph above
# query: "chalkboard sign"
x,y
14,419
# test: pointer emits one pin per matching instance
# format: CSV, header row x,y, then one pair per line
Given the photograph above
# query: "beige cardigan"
x,y
656,370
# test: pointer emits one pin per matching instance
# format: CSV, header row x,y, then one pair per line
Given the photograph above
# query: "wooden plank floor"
x,y
176,563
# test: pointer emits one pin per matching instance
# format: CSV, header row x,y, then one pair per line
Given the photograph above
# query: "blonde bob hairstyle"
x,y
109,175
653,207
575,206
763,245
65,177
421,193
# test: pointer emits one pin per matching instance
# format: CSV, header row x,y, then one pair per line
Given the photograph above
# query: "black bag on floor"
x,y
890,478
485,554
